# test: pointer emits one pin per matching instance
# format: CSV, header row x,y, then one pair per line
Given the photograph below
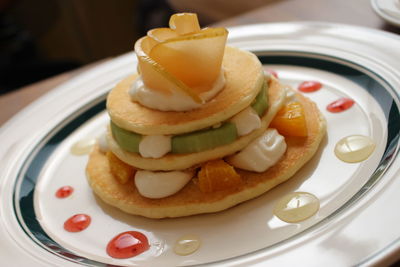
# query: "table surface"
x,y
353,12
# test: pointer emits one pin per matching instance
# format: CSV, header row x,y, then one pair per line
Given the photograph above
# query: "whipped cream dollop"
x,y
261,153
161,184
102,141
246,121
176,101
154,146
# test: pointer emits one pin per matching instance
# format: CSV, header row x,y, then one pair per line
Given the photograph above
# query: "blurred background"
x,y
42,38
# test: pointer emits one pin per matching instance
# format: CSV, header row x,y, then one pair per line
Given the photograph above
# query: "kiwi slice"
x,y
204,139
127,140
260,103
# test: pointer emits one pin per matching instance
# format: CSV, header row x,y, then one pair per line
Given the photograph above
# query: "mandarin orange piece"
x,y
184,23
217,175
121,171
290,120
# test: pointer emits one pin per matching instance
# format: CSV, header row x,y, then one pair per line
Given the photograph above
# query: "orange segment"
x,y
184,23
290,120
194,59
121,171
217,175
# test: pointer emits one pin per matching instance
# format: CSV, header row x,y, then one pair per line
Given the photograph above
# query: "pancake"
x,y
241,87
276,98
190,200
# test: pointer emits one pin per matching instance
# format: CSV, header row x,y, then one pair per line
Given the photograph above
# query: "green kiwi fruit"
x,y
204,139
127,140
260,103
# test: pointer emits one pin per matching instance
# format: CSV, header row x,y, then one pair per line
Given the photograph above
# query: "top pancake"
x,y
242,86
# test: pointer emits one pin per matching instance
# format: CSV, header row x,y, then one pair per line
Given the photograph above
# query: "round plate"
x,y
356,224
389,10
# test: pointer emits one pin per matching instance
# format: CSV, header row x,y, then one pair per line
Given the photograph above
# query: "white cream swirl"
x,y
161,184
261,153
246,121
154,146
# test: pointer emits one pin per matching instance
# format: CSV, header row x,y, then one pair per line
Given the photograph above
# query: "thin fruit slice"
x,y
144,46
194,59
184,23
121,171
290,120
217,175
162,34
260,103
204,139
127,140
186,143
154,76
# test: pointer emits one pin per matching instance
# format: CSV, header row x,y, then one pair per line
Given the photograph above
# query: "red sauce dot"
x,y
309,86
64,191
77,223
340,105
273,73
127,245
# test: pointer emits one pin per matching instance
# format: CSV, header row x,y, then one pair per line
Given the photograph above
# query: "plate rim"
x,y
381,13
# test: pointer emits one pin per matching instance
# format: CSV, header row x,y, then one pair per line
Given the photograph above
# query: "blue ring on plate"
x,y
376,86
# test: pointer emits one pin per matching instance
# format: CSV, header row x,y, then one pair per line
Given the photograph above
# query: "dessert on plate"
x,y
199,128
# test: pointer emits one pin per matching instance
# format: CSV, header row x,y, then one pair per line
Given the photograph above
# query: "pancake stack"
x,y
203,140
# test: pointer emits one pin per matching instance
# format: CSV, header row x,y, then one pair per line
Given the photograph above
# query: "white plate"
x,y
389,10
358,222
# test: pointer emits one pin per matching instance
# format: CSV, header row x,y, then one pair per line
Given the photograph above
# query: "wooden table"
x,y
355,12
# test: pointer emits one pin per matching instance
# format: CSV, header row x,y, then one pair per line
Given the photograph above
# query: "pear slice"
x,y
162,34
194,59
154,76
184,23
144,45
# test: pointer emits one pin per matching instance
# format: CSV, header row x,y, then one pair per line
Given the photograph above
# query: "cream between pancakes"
x,y
261,153
102,140
246,121
154,146
257,156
